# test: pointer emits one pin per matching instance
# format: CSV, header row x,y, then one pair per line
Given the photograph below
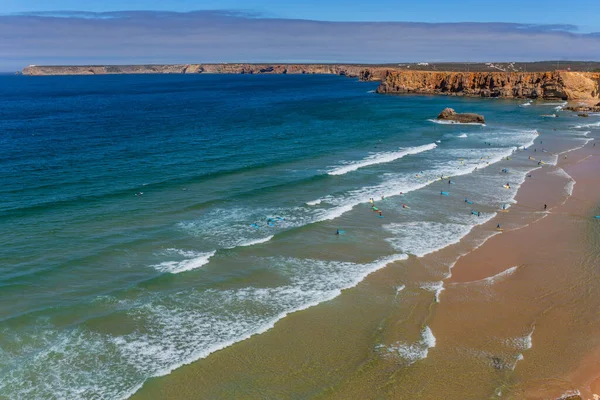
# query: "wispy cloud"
x,y
72,37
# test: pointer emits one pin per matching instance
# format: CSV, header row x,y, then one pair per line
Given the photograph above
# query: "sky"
x,y
384,31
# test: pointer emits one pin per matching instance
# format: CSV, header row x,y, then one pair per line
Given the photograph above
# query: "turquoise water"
x,y
148,221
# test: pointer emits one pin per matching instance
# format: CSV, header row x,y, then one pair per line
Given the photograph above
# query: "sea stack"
x,y
450,115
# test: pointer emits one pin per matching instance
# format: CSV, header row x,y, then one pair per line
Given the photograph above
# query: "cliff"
x,y
563,85
366,73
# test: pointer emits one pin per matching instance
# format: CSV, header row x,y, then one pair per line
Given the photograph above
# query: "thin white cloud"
x,y
234,36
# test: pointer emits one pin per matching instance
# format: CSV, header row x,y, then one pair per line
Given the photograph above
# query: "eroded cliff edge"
x,y
564,85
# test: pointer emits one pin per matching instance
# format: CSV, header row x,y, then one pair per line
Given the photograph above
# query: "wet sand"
x,y
530,332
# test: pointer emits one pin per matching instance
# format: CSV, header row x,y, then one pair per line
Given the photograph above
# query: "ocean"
x,y
151,220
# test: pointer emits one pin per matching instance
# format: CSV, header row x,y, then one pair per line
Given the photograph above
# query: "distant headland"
x,y
565,80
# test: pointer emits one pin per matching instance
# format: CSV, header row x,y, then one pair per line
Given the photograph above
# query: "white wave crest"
x,y
255,241
490,280
592,125
380,158
192,261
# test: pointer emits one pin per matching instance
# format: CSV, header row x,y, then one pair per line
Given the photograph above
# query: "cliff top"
x,y
540,66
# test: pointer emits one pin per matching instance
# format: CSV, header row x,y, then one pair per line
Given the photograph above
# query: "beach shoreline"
x,y
273,348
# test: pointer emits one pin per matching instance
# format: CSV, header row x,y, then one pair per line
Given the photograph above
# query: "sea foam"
x,y
450,122
413,352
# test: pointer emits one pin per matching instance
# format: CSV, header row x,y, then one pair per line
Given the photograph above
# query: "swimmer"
x,y
545,206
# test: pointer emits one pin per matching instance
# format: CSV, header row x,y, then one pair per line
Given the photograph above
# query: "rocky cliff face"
x,y
363,72
563,85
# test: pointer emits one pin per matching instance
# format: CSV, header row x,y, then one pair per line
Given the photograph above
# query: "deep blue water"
x,y
152,219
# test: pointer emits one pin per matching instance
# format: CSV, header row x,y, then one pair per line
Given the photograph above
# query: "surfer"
x,y
545,206
337,232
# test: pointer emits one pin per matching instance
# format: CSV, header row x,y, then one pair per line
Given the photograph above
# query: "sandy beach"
x,y
515,317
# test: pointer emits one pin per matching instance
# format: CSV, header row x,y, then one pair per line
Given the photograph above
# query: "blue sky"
x,y
583,13
350,31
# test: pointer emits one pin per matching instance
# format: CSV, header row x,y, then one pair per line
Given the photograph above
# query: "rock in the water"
x,y
583,108
450,115
583,115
